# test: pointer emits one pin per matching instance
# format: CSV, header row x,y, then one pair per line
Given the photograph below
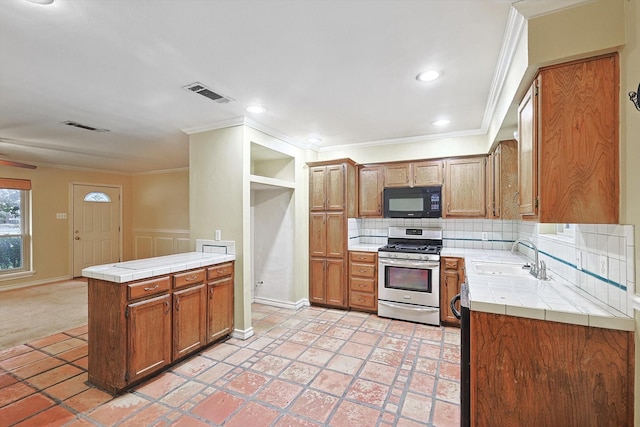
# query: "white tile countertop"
x,y
364,247
525,296
128,271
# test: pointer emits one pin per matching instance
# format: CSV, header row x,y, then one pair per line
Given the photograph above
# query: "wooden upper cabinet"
x,y
332,187
413,174
464,187
335,195
502,181
317,188
569,141
427,173
371,183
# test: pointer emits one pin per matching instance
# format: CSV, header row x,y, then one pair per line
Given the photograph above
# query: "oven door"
x,y
409,281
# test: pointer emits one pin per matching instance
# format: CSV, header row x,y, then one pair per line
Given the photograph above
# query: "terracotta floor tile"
x,y
24,408
274,319
365,338
14,392
405,422
240,356
260,343
422,383
187,421
217,407
276,332
300,373
332,315
62,346
316,356
450,371
417,407
38,367
183,393
394,344
379,373
247,383
351,414
446,414
147,416
88,400
338,332
118,409
52,417
332,382
430,350
54,376
279,393
291,421
8,353
315,405
316,328
220,351
448,390
387,357
271,365
428,333
305,338
46,341
77,331
193,366
428,366
253,414
6,379
451,353
74,353
368,392
214,373
82,363
360,351
159,386
69,388
329,343
290,350
345,364
22,359
403,328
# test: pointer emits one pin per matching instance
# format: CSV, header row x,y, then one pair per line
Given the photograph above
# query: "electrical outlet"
x,y
61,216
603,270
579,260
485,236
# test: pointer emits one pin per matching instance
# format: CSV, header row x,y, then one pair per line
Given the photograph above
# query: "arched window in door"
x,y
97,197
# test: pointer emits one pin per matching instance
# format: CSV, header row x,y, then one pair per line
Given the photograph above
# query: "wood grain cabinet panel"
x,y
397,175
464,187
189,320
569,143
219,308
363,281
427,173
527,372
370,185
451,278
502,181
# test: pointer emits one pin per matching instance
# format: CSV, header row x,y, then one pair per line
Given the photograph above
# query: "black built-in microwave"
x,y
413,202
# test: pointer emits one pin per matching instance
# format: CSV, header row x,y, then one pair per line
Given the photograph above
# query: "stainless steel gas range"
x,y
409,275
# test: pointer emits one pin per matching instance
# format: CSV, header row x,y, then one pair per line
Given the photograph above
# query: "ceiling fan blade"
x,y
16,164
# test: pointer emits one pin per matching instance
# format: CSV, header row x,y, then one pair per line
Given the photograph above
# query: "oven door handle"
x,y
410,263
408,307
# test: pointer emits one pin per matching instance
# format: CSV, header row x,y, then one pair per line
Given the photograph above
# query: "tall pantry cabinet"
x,y
332,200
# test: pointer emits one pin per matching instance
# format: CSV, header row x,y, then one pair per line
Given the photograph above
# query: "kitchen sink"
x,y
500,268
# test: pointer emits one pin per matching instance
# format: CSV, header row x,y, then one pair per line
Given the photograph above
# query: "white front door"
x,y
96,226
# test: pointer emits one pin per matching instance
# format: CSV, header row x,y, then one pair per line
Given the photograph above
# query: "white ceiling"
x,y
343,70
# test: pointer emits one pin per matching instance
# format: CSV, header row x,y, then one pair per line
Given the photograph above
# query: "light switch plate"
x,y
62,215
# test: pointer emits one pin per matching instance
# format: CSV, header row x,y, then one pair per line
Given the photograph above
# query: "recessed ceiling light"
x,y
427,76
314,140
442,122
256,109
40,1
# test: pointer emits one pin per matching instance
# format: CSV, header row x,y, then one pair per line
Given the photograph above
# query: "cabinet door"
x,y
397,175
336,239
427,173
317,191
189,315
506,173
317,234
370,197
452,276
317,272
149,336
336,289
465,187
219,309
335,188
528,153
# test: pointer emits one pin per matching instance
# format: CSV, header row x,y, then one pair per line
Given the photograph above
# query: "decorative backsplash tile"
x,y
598,258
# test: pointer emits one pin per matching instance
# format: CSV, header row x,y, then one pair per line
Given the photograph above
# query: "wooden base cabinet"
x,y
527,372
219,301
451,278
138,328
363,281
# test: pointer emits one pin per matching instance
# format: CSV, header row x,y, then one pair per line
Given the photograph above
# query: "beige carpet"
x,y
35,312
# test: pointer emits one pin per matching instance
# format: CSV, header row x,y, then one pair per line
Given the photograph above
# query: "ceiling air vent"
x,y
201,89
85,127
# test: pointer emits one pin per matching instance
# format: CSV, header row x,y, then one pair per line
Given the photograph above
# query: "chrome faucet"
x,y
538,269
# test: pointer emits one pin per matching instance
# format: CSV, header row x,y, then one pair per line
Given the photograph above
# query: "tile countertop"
x,y
364,247
128,271
525,296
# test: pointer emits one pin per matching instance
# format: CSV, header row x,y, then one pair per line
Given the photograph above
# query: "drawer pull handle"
x,y
362,271
152,288
166,304
191,278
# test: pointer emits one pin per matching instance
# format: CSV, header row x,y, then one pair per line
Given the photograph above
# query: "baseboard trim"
x,y
242,334
282,304
35,283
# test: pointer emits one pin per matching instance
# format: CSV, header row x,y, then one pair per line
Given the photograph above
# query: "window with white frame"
x,y
15,228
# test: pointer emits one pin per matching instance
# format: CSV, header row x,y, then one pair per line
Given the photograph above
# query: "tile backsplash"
x,y
597,258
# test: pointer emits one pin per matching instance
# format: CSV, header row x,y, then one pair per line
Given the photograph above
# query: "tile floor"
x,y
313,367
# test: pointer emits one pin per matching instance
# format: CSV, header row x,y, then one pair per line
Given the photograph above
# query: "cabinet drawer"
x,y
148,287
365,257
219,270
452,263
362,285
362,300
362,270
189,278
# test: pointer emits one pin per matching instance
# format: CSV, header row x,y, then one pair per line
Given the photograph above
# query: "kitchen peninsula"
x,y
147,314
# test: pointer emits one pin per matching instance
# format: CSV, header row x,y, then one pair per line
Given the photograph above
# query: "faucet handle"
x,y
542,273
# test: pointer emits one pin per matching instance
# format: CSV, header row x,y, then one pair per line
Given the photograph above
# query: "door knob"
x,y
77,237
